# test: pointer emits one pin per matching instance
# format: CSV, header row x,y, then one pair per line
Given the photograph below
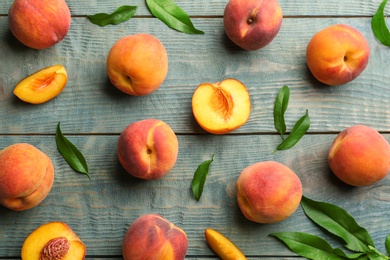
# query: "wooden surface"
x,y
93,113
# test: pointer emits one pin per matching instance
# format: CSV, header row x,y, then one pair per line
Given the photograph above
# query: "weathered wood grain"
x,y
101,209
90,104
216,7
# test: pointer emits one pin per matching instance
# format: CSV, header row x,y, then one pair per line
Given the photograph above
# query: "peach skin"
x,y
337,54
137,64
148,149
53,240
268,192
221,107
252,24
359,156
39,24
26,176
151,237
43,85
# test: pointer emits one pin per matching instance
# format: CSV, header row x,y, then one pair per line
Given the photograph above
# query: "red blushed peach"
x,y
148,149
26,176
39,24
337,54
137,64
252,24
360,156
268,192
153,237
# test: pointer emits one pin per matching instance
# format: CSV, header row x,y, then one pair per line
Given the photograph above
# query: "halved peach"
x,y
222,246
53,240
43,85
221,107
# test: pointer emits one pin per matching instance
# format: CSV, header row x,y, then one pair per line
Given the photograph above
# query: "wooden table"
x,y
93,113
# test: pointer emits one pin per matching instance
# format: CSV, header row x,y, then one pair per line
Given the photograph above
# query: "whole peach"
x,y
360,156
153,237
337,54
26,176
268,192
252,24
148,149
137,64
39,24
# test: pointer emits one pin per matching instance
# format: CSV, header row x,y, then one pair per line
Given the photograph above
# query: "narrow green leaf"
x,y
298,131
387,244
375,254
200,178
280,107
378,25
338,222
312,247
120,15
70,153
172,15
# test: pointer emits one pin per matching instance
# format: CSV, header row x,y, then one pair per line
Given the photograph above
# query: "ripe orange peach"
x,y
26,176
337,54
39,24
151,236
148,149
221,107
53,240
43,85
137,64
268,192
360,156
252,24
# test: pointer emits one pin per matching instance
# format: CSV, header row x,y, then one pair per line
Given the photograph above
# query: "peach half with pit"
x,y
359,156
148,149
152,236
268,192
43,85
26,176
53,240
137,64
252,24
221,107
337,54
39,24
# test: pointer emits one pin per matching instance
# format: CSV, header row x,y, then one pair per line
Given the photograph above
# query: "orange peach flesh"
x,y
222,246
38,239
153,237
360,156
221,107
337,54
26,176
43,85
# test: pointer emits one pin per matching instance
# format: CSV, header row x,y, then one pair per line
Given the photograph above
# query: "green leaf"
x,y
172,15
70,153
280,107
311,246
298,131
378,25
375,254
200,178
120,15
338,222
387,244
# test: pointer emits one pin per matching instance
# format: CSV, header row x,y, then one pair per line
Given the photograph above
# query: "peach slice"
x,y
221,107
53,240
43,85
222,246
